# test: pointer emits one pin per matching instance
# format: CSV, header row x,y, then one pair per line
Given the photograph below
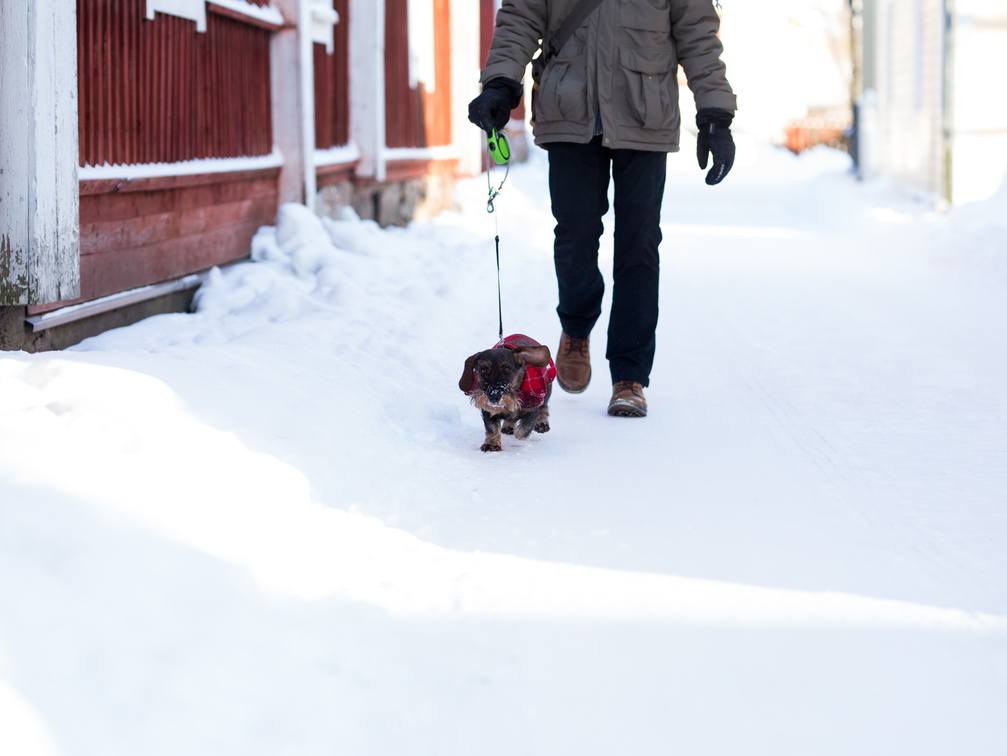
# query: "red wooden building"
x,y
193,120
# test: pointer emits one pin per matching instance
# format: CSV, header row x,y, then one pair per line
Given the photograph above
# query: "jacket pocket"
x,y
648,15
561,94
650,87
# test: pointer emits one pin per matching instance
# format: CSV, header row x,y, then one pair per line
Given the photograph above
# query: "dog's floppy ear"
x,y
468,378
536,356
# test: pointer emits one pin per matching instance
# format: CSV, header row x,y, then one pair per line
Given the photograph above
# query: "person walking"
x,y
605,107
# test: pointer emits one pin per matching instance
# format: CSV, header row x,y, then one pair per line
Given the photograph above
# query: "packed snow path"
x,y
266,527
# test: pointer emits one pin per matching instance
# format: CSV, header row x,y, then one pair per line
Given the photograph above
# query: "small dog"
x,y
511,384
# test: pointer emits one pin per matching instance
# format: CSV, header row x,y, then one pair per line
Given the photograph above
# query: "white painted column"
x,y
305,30
39,207
367,85
465,43
294,101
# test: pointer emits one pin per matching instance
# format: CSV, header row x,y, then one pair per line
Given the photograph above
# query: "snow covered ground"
x,y
266,527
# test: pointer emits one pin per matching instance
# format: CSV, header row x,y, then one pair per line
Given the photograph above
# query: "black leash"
x,y
499,294
497,153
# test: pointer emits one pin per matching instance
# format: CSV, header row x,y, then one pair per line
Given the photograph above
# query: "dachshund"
x,y
511,384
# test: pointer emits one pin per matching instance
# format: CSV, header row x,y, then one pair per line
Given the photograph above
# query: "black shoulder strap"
x,y
570,24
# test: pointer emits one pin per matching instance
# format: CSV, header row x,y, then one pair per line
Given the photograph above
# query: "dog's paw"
x,y
507,428
542,427
491,446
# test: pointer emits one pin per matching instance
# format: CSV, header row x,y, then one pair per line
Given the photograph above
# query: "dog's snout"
x,y
496,390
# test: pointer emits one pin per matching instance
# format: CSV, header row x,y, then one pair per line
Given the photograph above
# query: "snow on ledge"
x,y
443,152
349,153
184,168
268,13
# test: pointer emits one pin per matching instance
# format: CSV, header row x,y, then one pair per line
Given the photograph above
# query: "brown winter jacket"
x,y
620,66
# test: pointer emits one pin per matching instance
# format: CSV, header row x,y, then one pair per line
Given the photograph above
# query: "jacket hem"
x,y
542,140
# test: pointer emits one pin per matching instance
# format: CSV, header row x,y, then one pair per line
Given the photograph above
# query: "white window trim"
x,y
265,13
323,21
194,10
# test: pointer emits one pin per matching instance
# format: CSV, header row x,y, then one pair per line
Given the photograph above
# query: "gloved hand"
x,y
491,109
715,138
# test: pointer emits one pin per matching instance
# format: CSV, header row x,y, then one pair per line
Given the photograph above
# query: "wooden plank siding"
x,y
168,233
415,117
332,85
145,231
438,104
147,210
487,24
159,92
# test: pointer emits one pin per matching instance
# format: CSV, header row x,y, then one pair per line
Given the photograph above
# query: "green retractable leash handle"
x,y
498,149
498,146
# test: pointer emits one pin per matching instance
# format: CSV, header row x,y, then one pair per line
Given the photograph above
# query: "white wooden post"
x,y
305,24
367,88
39,217
465,65
293,101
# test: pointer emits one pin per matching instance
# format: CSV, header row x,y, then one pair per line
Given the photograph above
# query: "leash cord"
x,y
494,193
499,293
491,208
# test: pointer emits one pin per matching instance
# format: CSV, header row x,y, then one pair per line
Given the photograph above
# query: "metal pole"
x,y
948,103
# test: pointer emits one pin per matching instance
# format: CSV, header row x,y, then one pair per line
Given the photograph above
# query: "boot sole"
x,y
570,390
623,408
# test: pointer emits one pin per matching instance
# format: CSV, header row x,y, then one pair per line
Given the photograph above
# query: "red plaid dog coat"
x,y
535,386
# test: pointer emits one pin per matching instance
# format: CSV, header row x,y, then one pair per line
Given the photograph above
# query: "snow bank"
x,y
265,527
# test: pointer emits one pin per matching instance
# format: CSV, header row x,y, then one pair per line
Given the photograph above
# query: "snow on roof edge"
x,y
183,168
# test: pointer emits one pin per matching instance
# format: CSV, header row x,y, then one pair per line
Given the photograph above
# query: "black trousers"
x,y
578,185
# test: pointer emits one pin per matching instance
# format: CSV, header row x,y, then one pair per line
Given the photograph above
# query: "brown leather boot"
x,y
573,364
627,400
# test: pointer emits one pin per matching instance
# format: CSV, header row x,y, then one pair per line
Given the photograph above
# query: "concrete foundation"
x,y
391,203
16,335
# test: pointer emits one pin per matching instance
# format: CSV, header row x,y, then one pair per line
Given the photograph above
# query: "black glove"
x,y
491,109
715,137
